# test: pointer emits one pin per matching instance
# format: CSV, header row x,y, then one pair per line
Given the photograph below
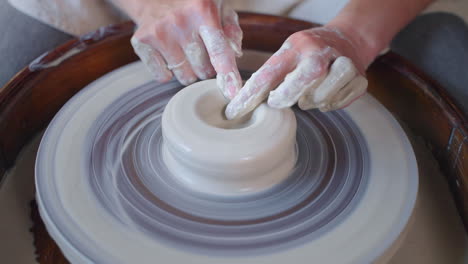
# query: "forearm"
x,y
135,8
372,24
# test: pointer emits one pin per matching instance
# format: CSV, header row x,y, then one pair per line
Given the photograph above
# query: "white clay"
x,y
198,57
213,155
89,232
218,46
295,84
151,58
253,93
37,64
341,73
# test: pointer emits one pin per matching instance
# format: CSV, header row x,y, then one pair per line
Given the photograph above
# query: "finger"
x,y
352,91
232,30
223,59
306,102
198,58
178,63
152,59
264,80
342,71
305,76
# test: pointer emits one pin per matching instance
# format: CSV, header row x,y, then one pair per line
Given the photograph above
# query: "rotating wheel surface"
x,y
105,194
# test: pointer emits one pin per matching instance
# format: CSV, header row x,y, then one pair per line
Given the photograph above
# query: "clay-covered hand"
x,y
316,68
189,39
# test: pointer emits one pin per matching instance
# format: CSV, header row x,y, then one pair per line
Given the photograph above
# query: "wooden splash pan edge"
x,y
31,99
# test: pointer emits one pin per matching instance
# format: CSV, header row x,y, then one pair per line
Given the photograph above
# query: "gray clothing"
x,y
23,39
437,43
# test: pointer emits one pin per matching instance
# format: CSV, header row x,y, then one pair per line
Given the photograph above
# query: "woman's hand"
x,y
316,68
190,39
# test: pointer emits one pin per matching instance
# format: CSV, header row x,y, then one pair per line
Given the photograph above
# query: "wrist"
x,y
134,9
368,46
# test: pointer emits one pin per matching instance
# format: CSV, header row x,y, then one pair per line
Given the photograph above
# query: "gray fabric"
x,y
23,39
438,44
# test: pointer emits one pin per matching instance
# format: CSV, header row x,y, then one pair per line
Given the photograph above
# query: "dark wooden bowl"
x,y
31,99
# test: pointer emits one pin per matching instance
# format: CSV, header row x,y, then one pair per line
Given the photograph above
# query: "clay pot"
x,y
259,154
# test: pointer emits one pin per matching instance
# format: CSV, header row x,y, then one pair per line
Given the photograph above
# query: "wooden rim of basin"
x,y
32,98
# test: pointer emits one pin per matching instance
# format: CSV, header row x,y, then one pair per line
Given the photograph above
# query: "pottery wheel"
x,y
106,196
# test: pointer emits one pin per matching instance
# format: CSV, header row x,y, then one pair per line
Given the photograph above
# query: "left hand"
x,y
188,39
316,68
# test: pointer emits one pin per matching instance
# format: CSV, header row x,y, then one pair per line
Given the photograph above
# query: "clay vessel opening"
x,y
211,111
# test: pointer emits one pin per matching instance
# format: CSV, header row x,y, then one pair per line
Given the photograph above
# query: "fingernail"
x,y
161,78
230,111
236,47
324,107
273,101
206,73
192,80
304,102
188,81
235,107
222,86
183,78
203,75
228,84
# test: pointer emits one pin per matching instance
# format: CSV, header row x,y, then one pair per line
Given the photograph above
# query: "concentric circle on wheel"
x,y
106,196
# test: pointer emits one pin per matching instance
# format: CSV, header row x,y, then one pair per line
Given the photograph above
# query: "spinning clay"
x,y
226,157
130,171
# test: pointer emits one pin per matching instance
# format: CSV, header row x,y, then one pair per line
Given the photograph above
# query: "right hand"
x,y
316,68
190,39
